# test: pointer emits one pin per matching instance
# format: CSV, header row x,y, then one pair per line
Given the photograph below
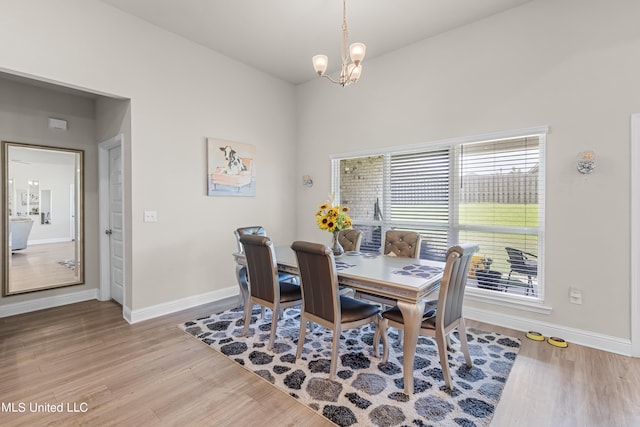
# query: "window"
x,y
484,190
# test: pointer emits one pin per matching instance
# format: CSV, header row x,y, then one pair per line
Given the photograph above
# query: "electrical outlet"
x,y
575,296
150,216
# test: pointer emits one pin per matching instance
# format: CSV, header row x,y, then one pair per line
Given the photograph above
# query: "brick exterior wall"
x,y
361,185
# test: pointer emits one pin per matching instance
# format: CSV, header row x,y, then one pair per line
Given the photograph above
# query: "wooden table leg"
x,y
412,315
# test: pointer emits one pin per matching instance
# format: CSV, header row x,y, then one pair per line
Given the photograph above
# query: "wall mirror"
x,y
42,217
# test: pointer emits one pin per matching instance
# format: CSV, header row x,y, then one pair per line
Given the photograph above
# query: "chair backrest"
x,y
350,239
319,280
261,267
515,256
454,280
523,262
404,244
255,230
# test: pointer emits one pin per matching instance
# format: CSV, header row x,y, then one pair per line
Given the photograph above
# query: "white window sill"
x,y
506,300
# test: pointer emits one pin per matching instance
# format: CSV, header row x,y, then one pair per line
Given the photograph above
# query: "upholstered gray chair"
x,y
445,315
402,243
350,239
322,303
265,288
243,281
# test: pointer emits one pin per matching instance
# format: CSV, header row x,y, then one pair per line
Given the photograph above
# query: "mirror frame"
x,y
79,213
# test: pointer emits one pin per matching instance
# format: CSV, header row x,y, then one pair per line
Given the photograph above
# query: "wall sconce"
x,y
307,181
586,162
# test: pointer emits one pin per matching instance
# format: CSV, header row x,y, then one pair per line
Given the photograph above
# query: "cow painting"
x,y
233,165
231,168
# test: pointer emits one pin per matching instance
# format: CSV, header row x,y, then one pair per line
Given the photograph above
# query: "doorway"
x,y
111,188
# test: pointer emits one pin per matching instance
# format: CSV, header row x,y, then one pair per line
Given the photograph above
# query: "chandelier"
x,y
350,72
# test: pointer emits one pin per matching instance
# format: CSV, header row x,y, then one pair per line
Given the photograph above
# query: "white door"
x,y
115,230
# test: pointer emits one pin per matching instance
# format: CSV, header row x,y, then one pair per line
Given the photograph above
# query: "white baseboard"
x,y
47,241
571,335
134,316
12,309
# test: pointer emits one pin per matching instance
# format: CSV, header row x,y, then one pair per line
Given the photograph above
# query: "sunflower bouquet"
x,y
333,217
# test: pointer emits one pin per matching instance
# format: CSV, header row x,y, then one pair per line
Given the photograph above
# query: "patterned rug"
x,y
364,392
69,263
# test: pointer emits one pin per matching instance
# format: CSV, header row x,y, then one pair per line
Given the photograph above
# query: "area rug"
x,y
69,263
365,392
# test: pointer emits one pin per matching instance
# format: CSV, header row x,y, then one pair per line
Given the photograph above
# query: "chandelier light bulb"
x,y
320,63
357,51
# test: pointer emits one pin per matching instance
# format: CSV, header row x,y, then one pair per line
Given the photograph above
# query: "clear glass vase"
x,y
335,245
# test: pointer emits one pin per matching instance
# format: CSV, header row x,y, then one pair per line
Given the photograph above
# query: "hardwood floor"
x,y
88,358
39,266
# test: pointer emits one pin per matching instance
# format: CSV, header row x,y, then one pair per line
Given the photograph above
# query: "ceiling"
x,y
279,37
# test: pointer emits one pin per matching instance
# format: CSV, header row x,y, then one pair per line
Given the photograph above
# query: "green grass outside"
x,y
501,214
492,244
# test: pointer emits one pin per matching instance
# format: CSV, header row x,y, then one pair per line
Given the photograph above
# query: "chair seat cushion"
x,y
289,292
353,309
428,319
286,277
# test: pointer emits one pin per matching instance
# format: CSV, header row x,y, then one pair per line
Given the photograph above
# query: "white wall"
x,y
572,65
180,93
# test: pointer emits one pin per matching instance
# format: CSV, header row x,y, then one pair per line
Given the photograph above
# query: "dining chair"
x,y
441,318
322,304
350,239
399,243
266,290
243,281
524,263
402,243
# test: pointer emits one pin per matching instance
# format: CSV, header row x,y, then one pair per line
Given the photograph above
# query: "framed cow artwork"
x,y
231,168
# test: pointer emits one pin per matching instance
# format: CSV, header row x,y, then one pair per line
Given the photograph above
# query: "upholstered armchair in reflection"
x,y
19,230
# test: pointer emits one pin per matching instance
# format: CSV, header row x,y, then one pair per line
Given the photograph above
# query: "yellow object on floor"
x,y
557,342
536,336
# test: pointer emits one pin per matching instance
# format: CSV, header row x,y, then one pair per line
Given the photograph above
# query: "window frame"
x,y
452,227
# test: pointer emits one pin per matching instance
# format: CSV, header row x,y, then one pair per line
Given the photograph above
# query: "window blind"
x,y
499,198
419,192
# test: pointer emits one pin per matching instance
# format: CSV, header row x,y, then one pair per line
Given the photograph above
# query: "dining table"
x,y
408,281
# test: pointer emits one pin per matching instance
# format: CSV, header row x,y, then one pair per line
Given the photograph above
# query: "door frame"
x,y
104,147
635,234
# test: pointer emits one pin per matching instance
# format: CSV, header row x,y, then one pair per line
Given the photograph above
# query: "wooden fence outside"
x,y
514,188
